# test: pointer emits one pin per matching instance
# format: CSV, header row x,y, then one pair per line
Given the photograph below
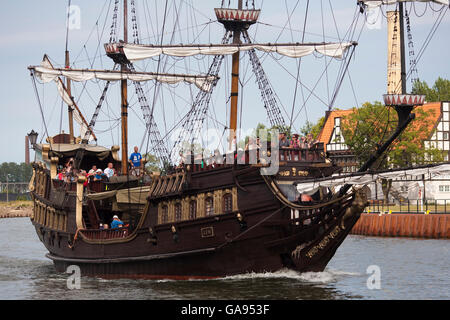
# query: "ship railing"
x,y
308,216
62,185
312,154
96,186
315,154
105,234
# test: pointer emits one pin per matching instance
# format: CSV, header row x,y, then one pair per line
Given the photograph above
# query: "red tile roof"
x,y
327,130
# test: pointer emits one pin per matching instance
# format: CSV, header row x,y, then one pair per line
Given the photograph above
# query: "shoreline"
x,y
15,209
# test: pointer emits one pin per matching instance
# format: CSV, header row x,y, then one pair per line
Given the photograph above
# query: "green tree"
x,y
371,125
312,128
267,135
439,92
14,172
152,163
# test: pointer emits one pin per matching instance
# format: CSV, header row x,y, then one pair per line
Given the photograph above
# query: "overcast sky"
x,y
29,29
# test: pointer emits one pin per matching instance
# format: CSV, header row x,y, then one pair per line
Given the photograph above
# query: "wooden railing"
x,y
105,234
314,154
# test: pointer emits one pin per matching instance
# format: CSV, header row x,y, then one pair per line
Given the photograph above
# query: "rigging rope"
x,y
298,70
412,59
98,108
270,104
33,79
193,123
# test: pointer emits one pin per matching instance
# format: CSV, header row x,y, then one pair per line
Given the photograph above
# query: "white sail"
x,y
135,52
377,3
47,74
77,116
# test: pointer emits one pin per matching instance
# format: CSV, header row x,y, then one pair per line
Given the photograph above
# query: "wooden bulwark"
x,y
431,226
49,217
166,185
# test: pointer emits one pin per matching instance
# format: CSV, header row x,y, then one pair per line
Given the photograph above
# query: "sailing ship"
x,y
197,218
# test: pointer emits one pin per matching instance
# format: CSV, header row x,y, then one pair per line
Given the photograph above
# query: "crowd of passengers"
x,y
70,174
295,143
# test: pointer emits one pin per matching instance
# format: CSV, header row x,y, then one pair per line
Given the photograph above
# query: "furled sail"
x,y
135,52
47,74
377,3
77,116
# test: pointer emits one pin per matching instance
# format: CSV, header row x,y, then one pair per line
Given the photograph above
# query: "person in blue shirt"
x,y
116,223
99,175
136,162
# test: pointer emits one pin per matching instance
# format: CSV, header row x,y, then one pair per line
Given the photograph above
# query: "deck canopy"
x,y
66,150
137,195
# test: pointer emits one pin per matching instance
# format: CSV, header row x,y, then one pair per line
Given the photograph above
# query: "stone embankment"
x,y
15,210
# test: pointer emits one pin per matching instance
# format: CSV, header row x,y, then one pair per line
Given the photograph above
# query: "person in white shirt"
x,y
109,171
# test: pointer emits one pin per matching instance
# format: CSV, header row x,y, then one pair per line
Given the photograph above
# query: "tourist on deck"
x,y
295,142
217,159
296,145
84,174
60,174
310,140
232,148
198,160
182,160
99,175
92,171
252,147
304,198
116,223
283,141
136,162
69,165
110,171
303,144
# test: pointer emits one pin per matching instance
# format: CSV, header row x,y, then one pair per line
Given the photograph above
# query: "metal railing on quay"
x,y
417,206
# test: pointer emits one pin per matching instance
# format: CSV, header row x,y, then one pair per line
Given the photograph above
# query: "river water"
x,y
363,268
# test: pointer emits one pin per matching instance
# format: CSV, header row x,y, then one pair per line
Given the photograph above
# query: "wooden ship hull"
x,y
197,223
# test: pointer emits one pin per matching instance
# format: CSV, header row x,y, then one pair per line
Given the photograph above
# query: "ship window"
x,y
209,206
227,203
178,212
165,214
192,209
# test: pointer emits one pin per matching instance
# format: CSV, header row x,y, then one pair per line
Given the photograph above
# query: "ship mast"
x,y
69,92
124,87
68,83
403,103
402,47
235,83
